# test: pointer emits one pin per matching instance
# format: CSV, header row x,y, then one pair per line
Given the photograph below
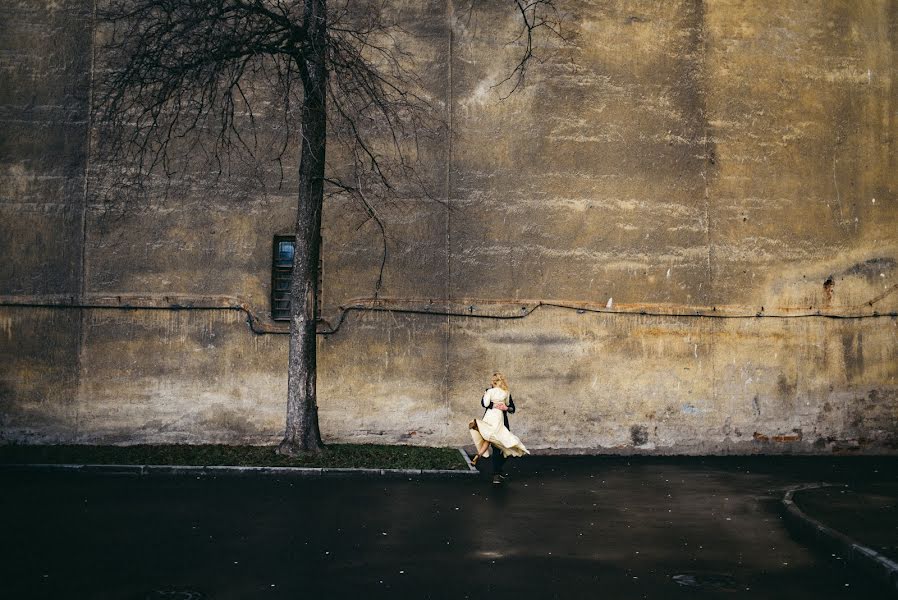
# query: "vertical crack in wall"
x,y
709,158
701,47
450,17
85,194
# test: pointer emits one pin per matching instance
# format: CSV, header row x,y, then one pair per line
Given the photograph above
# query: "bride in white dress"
x,y
492,428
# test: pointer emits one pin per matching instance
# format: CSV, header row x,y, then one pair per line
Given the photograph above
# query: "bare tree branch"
x,y
536,17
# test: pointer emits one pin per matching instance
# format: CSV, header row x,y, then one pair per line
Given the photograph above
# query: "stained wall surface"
x,y
680,236
44,66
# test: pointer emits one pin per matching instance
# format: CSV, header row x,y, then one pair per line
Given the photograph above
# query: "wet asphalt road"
x,y
560,528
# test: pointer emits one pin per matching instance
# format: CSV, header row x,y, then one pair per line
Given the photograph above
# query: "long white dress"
x,y
492,428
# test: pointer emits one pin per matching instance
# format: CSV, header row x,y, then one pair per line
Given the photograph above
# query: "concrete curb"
x,y
223,470
467,458
867,559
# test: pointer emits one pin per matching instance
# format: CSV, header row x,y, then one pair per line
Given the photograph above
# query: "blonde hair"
x,y
498,380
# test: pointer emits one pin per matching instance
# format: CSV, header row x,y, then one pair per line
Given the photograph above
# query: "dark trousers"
x,y
498,461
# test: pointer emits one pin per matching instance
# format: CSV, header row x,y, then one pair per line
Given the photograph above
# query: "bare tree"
x,y
181,86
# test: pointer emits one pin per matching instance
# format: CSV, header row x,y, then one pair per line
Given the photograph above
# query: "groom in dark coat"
x,y
498,460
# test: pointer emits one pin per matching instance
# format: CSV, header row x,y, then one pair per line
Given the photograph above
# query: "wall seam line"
x,y
85,192
450,15
703,75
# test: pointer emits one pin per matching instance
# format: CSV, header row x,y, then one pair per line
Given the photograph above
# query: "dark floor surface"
x,y
867,512
560,528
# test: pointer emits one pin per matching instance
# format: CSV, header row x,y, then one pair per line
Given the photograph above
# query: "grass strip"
x,y
367,456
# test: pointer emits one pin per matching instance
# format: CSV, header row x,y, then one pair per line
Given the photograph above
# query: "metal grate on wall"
x,y
283,249
281,276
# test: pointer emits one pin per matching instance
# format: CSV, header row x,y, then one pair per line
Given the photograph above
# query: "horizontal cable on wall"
x,y
261,323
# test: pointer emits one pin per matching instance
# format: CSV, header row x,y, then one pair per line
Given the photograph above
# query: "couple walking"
x,y
491,434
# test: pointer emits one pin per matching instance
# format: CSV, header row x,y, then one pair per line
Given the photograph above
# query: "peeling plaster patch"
x,y
786,389
853,353
17,180
871,269
639,434
828,289
6,326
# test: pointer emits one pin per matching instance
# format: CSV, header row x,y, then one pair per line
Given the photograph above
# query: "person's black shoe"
x,y
497,479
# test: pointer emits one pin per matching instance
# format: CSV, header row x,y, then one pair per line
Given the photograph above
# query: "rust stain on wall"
x,y
782,438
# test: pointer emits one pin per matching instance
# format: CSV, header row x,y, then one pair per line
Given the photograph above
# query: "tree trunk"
x,y
302,432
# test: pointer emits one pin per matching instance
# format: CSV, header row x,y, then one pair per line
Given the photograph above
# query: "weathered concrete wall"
x,y
725,171
44,66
